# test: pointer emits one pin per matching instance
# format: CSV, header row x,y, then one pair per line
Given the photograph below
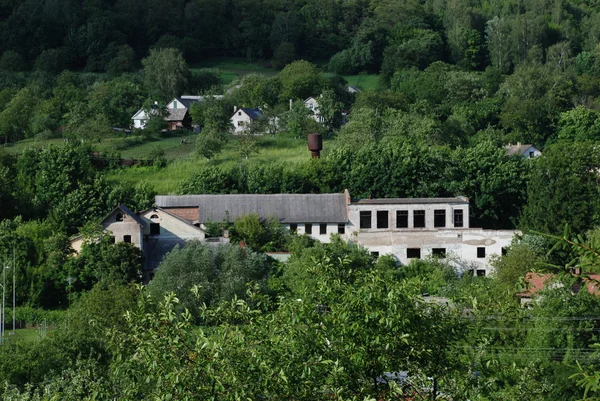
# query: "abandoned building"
x,y
407,228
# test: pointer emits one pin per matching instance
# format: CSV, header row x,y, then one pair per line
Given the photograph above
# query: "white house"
x,y
406,228
352,89
139,119
525,150
313,105
242,117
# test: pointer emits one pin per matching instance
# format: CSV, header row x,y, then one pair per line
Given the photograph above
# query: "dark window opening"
x,y
308,228
402,219
438,252
154,229
382,219
127,238
341,229
480,273
439,218
375,253
419,219
119,217
365,219
531,155
481,252
458,218
112,239
154,216
293,227
504,251
323,229
413,253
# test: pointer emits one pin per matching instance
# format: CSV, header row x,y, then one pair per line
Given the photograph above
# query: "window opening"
x,y
458,218
419,219
413,253
481,252
323,229
365,219
439,218
341,229
127,238
438,252
382,219
308,228
402,219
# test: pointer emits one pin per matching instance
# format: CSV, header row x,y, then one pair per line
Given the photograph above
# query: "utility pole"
x,y
14,290
4,299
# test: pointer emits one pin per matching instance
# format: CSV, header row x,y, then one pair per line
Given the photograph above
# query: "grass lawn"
x,y
233,68
167,180
363,81
29,334
132,147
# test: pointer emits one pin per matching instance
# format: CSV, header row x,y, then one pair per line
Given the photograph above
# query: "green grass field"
x,y
234,68
29,334
167,180
363,81
132,147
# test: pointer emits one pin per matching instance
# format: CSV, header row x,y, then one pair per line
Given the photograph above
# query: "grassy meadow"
x,y
166,180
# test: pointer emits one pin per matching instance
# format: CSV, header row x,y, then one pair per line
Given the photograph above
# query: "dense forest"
x,y
456,82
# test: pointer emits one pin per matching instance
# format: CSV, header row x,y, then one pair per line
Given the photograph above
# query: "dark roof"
x,y
288,208
253,113
408,201
176,115
125,210
518,149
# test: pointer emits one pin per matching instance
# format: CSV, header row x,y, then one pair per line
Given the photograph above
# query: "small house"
x,y
242,117
525,150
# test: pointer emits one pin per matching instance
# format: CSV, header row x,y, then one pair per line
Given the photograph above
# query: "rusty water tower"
x,y
315,144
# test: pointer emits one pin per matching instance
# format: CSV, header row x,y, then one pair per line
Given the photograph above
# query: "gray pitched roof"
x,y
254,113
518,149
125,210
287,208
408,201
176,115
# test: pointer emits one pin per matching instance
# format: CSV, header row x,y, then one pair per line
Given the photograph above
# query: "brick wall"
x,y
188,213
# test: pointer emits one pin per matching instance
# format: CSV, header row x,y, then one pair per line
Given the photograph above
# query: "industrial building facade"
x,y
407,228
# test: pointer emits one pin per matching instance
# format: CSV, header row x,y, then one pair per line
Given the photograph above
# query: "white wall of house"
x,y
240,120
532,152
128,227
319,231
140,119
170,227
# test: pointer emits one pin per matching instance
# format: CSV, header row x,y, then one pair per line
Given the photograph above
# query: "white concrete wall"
x,y
331,228
128,226
355,209
171,227
240,121
460,244
532,152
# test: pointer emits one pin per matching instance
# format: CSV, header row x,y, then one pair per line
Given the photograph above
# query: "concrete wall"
x,y
171,227
460,245
240,120
128,226
331,228
355,209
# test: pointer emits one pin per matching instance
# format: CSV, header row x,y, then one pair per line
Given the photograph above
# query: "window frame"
x,y
422,215
413,252
363,215
402,215
481,252
380,219
456,213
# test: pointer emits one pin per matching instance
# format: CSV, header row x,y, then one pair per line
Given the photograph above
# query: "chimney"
x,y
234,109
291,102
